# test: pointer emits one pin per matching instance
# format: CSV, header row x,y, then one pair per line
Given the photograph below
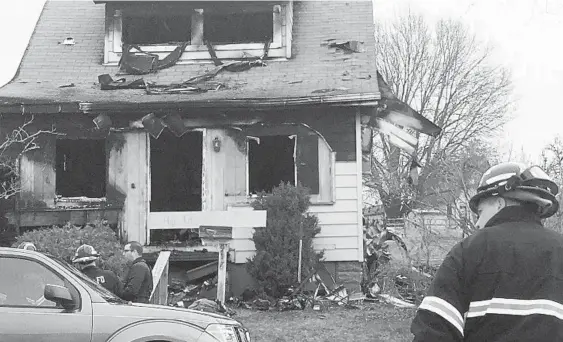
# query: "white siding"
x,y
339,222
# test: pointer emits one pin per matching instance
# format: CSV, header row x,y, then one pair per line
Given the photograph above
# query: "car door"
x,y
25,315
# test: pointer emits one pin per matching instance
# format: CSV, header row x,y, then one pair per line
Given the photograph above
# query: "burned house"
x,y
171,115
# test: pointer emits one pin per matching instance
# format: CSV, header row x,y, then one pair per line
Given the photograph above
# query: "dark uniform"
x,y
107,279
504,283
138,283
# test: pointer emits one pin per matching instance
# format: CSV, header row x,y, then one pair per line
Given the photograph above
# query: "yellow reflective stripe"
x,y
445,310
515,307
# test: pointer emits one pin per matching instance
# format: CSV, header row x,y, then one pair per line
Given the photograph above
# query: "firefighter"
x,y
504,282
85,260
27,245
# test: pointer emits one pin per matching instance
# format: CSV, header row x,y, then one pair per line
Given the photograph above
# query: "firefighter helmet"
x,y
515,181
85,254
27,245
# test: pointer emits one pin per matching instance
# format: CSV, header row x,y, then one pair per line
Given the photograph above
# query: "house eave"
x,y
347,100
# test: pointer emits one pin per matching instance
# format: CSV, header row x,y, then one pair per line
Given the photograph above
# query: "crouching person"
x,y
85,260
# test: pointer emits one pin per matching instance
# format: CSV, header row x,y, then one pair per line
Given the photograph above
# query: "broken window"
x,y
81,168
236,29
176,172
156,28
274,158
270,162
239,27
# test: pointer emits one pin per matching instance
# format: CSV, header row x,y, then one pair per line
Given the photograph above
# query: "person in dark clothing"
x,y
138,283
504,282
85,260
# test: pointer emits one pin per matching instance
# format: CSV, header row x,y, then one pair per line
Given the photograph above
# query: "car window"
x,y
22,282
102,291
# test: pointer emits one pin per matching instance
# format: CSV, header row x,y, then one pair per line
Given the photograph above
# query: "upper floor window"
x,y
235,29
238,28
159,28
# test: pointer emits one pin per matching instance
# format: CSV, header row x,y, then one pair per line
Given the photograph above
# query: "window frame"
x,y
326,162
77,200
196,51
292,137
57,274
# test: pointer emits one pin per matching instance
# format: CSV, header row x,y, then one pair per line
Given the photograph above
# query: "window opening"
x,y
23,283
238,27
176,179
81,168
271,162
176,172
160,28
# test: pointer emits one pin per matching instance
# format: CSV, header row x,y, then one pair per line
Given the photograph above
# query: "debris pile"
x,y
183,295
389,275
317,292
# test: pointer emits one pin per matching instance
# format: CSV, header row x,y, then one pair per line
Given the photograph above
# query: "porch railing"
x,y
159,294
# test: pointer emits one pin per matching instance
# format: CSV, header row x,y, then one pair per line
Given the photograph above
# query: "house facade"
x,y
179,136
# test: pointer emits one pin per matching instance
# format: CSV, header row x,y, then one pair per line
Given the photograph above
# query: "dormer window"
x,y
155,29
236,30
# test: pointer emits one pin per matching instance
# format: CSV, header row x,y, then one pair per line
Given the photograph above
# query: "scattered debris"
x,y
67,41
396,301
350,46
374,289
140,63
421,272
102,121
70,85
329,90
107,83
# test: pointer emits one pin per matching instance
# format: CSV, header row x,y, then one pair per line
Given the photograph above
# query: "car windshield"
x,y
102,291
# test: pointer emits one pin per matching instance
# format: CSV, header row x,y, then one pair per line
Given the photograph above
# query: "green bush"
x,y
275,265
63,242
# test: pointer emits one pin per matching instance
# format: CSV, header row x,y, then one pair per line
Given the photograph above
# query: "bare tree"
x,y
447,76
19,141
552,163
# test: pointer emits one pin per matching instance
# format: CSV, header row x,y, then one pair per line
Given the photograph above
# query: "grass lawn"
x,y
372,322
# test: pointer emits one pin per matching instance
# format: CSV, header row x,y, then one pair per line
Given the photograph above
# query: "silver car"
x,y
44,299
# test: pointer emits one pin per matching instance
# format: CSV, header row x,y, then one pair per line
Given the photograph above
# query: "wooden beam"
x,y
52,217
222,271
202,271
195,219
159,294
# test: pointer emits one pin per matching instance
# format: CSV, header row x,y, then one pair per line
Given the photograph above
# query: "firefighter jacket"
x,y
138,283
503,283
107,279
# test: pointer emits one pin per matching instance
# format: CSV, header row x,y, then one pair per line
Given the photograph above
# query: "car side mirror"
x,y
60,295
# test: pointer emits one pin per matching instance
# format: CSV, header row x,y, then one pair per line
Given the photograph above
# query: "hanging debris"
x,y
107,83
351,46
135,61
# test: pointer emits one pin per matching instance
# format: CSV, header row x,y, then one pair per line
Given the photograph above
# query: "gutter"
x,y
344,100
362,99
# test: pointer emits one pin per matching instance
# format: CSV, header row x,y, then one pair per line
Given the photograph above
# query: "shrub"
x,y
275,265
63,242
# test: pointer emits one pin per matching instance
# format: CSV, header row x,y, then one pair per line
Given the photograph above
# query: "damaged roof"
x,y
316,73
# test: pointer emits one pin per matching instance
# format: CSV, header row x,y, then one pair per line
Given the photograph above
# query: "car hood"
x,y
138,311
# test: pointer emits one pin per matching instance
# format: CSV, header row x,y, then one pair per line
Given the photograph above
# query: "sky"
x,y
526,36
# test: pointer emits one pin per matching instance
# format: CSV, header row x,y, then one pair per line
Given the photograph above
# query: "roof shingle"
x,y
46,64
